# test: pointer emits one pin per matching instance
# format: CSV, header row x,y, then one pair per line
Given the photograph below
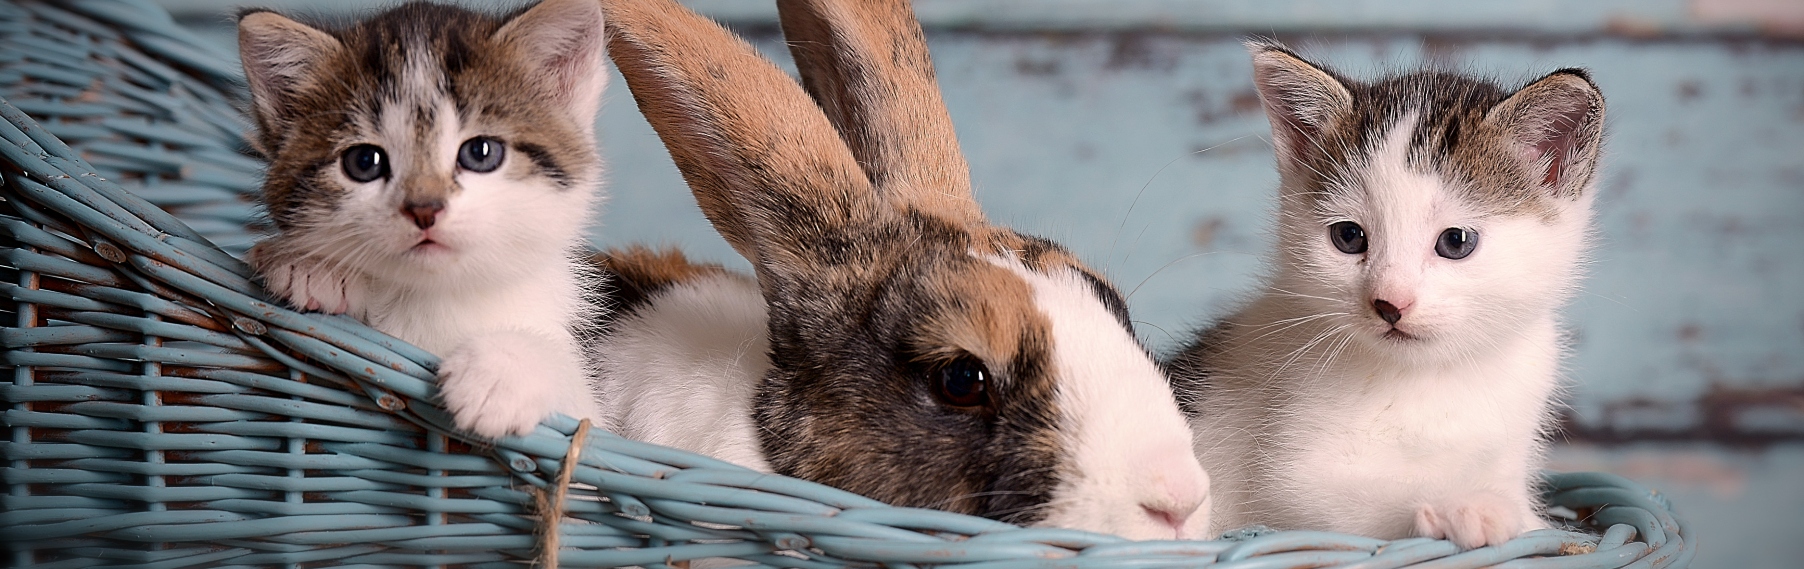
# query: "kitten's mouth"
x,y
1399,335
428,246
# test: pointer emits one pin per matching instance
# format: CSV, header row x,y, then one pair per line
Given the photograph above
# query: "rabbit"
x,y
893,342
432,171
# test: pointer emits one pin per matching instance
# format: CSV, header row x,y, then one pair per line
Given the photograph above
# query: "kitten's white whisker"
x,y
1130,294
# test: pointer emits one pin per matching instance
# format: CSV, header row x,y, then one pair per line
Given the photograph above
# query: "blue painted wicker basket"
x,y
162,412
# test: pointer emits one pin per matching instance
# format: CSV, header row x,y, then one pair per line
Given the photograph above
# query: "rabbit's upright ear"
x,y
866,64
764,163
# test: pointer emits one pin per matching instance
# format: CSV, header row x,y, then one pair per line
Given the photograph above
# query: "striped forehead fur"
x,y
1449,138
409,67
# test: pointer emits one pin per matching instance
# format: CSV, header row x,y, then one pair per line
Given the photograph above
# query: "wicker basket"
x,y
161,411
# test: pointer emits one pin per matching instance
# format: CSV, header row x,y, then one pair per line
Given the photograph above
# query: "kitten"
x,y
1397,375
431,172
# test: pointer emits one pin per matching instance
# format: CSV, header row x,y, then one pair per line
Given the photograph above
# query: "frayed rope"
x,y
551,500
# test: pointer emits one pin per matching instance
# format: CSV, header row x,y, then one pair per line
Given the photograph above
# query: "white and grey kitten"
x,y
1396,377
432,170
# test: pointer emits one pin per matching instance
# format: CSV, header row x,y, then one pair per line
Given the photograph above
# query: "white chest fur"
x,y
1355,446
1367,449
547,301
681,371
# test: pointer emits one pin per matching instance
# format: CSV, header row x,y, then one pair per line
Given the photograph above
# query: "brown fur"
x,y
870,72
863,237
1493,143
704,77
637,273
309,114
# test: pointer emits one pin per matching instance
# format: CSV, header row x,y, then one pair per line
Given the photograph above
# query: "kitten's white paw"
x,y
505,384
310,285
1475,520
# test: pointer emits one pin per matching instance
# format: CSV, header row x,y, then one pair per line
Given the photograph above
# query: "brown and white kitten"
x,y
1396,376
432,170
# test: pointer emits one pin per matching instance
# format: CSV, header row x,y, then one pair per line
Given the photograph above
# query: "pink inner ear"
x,y
1554,166
1300,136
564,69
1558,137
1296,133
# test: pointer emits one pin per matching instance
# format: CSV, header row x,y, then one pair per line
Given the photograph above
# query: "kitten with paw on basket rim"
x,y
432,171
1397,375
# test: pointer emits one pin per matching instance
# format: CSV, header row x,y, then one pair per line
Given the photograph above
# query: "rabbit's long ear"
x,y
866,64
764,163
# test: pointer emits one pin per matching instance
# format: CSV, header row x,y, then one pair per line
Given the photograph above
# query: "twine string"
x,y
551,500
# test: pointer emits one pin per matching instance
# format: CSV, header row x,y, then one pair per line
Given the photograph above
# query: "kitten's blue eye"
x,y
1349,237
480,154
365,163
1456,243
961,383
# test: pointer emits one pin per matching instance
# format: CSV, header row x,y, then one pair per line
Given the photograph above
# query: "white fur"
x,y
1126,439
681,371
502,297
1315,420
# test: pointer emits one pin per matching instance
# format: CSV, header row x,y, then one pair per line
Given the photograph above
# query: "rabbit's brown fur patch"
x,y
877,265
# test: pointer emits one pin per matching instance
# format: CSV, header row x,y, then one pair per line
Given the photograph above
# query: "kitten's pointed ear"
x,y
1556,126
281,58
1301,100
564,39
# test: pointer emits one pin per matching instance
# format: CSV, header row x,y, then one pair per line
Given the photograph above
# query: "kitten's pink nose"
x,y
1391,313
423,214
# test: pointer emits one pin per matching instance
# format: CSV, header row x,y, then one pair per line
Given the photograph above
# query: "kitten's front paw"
x,y
1475,520
502,384
310,285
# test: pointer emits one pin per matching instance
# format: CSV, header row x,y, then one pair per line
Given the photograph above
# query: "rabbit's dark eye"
x,y
480,154
1349,237
365,162
961,383
1456,243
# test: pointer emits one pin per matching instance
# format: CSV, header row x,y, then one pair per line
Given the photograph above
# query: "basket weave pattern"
x,y
161,411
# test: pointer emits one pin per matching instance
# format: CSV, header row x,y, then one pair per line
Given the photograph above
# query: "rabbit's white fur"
x,y
1125,439
680,371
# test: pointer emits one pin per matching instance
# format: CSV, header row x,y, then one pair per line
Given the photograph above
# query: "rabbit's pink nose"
x,y
1169,519
1179,492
